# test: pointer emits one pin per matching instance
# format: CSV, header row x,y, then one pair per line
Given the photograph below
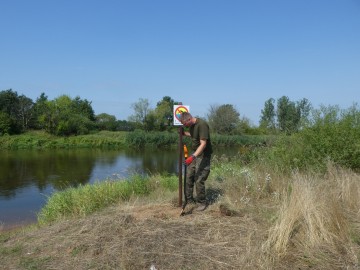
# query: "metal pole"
x,y
181,149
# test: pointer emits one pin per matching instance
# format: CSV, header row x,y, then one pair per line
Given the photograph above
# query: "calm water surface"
x,y
28,177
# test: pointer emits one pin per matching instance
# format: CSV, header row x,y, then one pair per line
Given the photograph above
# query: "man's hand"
x,y
189,160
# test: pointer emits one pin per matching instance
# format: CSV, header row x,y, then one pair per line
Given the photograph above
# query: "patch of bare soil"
x,y
140,237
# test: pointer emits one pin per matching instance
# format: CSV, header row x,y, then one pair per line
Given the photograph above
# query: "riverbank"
x,y
258,218
120,140
43,140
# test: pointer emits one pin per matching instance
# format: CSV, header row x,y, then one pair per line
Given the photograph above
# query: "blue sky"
x,y
200,52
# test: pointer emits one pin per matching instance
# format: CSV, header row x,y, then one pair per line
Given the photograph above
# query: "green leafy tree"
x,y
5,123
105,121
83,107
141,110
287,115
40,110
9,104
48,119
74,116
292,116
223,119
164,111
268,114
150,121
26,111
64,116
304,108
123,125
246,127
59,116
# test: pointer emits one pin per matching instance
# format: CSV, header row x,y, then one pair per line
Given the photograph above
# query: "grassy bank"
x,y
43,140
258,218
119,139
84,200
294,205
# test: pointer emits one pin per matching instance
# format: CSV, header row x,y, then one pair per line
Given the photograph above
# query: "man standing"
x,y
199,162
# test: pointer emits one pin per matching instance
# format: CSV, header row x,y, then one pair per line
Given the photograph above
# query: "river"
x,y
28,177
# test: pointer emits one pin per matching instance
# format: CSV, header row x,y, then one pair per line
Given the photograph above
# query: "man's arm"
x,y
201,148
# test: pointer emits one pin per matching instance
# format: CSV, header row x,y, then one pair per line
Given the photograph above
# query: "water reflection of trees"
x,y
70,168
59,168
64,168
151,161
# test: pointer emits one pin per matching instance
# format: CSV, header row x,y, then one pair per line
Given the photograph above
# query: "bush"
x,y
334,136
244,140
5,124
140,139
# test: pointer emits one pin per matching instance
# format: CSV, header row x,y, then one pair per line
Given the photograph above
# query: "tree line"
x,y
281,116
61,116
65,116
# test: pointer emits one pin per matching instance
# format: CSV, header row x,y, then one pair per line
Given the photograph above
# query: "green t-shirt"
x,y
201,131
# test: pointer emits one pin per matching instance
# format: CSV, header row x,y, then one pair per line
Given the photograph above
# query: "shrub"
x,y
333,136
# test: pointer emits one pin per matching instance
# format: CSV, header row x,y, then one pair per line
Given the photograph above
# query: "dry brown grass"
x,y
316,221
263,220
136,237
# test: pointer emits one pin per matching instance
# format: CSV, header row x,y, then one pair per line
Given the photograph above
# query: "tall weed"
x,y
315,223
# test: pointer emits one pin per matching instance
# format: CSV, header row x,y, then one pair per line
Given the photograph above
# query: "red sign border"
x,y
177,108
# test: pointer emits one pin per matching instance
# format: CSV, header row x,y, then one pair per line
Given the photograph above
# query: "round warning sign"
x,y
178,110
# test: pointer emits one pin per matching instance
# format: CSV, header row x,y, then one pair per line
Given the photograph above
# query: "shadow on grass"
x,y
213,195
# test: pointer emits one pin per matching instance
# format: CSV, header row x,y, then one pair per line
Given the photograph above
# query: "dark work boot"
x,y
201,206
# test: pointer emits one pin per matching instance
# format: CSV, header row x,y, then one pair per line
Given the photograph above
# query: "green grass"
x,y
30,263
86,199
43,140
119,139
17,249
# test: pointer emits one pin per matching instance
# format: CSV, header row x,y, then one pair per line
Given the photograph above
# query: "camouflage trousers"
x,y
196,175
